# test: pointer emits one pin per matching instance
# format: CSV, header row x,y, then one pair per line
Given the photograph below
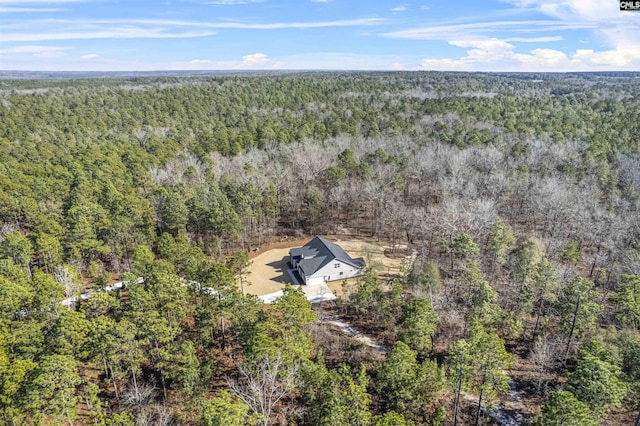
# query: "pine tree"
x,y
418,323
562,408
627,299
500,240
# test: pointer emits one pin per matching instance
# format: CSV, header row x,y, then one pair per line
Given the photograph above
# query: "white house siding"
x,y
332,273
314,280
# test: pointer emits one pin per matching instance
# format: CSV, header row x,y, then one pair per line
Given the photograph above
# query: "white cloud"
x,y
256,60
306,61
498,55
90,56
195,64
400,8
32,49
50,54
214,25
619,31
320,1
30,2
543,59
123,32
54,29
480,29
27,10
620,57
341,61
253,61
486,51
39,30
535,39
233,2
493,46
301,25
603,16
248,26
445,64
591,10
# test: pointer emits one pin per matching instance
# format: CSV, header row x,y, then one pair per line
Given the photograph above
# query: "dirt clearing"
x,y
268,270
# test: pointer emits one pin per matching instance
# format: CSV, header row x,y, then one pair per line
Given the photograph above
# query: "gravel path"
x,y
347,329
498,413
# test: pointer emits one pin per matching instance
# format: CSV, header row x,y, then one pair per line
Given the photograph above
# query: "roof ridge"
x,y
349,260
322,240
326,252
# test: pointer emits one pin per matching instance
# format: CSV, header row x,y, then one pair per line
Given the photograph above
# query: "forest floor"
x,y
268,269
510,410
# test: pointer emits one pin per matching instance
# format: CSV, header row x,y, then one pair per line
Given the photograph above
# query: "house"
x,y
321,260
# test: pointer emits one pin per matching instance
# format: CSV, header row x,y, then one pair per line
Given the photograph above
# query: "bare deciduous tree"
x,y
156,415
263,384
139,393
545,356
64,276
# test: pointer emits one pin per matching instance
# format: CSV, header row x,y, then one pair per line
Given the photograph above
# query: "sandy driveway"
x,y
268,270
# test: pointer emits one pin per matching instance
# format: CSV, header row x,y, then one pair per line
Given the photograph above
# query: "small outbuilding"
x,y
320,261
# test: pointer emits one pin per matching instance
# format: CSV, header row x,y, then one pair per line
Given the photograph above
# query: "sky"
x,y
464,35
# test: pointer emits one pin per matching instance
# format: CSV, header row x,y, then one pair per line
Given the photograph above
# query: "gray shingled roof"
x,y
321,252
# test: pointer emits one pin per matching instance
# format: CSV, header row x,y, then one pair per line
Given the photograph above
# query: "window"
x,y
341,273
337,265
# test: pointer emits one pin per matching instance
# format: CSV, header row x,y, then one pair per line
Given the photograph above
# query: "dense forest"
x,y
518,194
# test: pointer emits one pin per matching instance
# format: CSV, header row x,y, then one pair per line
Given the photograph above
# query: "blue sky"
x,y
465,35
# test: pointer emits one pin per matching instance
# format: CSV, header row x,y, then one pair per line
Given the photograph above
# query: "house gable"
x,y
316,259
337,270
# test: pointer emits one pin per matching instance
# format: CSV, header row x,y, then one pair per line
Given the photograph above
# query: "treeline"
x,y
519,196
